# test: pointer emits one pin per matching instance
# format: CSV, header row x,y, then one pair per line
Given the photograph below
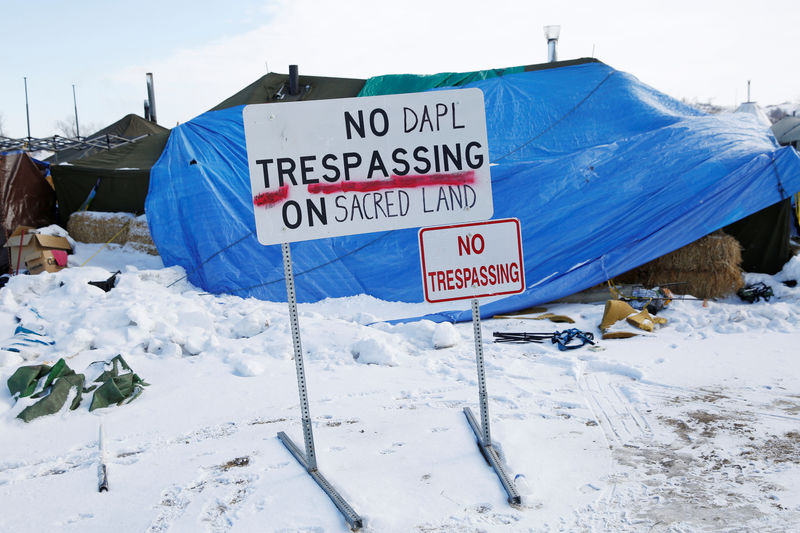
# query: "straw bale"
x,y
712,253
94,227
139,231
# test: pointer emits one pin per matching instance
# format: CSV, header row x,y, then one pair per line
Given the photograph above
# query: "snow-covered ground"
x,y
695,427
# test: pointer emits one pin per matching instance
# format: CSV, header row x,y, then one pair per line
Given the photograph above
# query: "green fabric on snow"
x,y
25,379
54,401
116,388
55,384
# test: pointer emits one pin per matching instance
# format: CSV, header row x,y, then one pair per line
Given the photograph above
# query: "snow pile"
x,y
691,428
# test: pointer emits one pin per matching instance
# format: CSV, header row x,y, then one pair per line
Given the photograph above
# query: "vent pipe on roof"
x,y
551,33
151,97
294,80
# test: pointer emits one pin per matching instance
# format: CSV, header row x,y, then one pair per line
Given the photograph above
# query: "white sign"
x,y
472,260
325,168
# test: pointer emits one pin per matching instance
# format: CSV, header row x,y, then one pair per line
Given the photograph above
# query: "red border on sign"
x,y
469,225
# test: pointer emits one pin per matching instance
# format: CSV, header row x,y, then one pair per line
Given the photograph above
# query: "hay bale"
x,y
139,236
97,227
139,231
707,268
712,253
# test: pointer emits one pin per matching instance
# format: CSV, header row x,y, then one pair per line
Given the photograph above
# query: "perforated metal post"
x,y
308,459
311,456
482,432
482,394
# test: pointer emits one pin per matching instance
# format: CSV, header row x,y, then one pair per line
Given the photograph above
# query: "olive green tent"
x,y
117,180
114,180
130,127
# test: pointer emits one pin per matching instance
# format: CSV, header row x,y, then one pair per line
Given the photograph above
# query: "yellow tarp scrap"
x,y
617,310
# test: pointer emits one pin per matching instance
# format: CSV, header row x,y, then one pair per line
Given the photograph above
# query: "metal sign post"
x,y
470,261
308,459
482,431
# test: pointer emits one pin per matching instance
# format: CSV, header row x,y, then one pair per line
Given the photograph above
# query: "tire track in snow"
x,y
621,421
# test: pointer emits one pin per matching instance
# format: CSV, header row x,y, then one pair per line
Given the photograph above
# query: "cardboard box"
x,y
32,244
43,262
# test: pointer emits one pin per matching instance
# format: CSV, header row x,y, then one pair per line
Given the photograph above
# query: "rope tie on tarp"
x,y
210,257
781,190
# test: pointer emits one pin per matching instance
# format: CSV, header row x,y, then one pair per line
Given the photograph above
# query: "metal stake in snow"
x,y
103,469
307,459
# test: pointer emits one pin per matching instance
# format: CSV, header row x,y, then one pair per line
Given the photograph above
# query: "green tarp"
x,y
52,386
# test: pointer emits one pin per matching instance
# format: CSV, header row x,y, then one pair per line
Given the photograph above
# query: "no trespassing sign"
x,y
472,260
326,168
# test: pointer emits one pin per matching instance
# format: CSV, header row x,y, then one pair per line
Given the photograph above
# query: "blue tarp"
x,y
603,172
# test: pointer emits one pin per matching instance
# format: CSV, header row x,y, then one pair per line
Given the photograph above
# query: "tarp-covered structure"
x,y
26,197
604,173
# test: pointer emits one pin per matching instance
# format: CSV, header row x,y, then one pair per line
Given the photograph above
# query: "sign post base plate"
x,y
490,454
349,514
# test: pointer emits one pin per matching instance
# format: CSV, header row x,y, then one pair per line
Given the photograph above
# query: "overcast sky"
x,y
202,51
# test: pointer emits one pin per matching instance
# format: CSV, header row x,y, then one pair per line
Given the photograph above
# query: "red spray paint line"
x,y
267,199
395,182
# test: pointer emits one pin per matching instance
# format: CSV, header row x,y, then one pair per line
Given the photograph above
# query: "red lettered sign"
x,y
476,260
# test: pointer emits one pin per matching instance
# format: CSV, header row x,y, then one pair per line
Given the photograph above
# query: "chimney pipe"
x,y
151,97
551,33
294,80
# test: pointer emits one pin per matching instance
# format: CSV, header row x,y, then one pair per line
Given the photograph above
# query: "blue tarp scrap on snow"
x,y
604,173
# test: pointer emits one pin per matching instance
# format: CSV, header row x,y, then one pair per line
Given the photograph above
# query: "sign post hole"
x,y
470,261
346,166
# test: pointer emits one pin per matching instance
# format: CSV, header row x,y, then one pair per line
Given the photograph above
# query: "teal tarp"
x,y
414,83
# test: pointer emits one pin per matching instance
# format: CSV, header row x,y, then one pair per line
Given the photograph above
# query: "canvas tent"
x,y
27,198
130,127
604,173
118,178
274,87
